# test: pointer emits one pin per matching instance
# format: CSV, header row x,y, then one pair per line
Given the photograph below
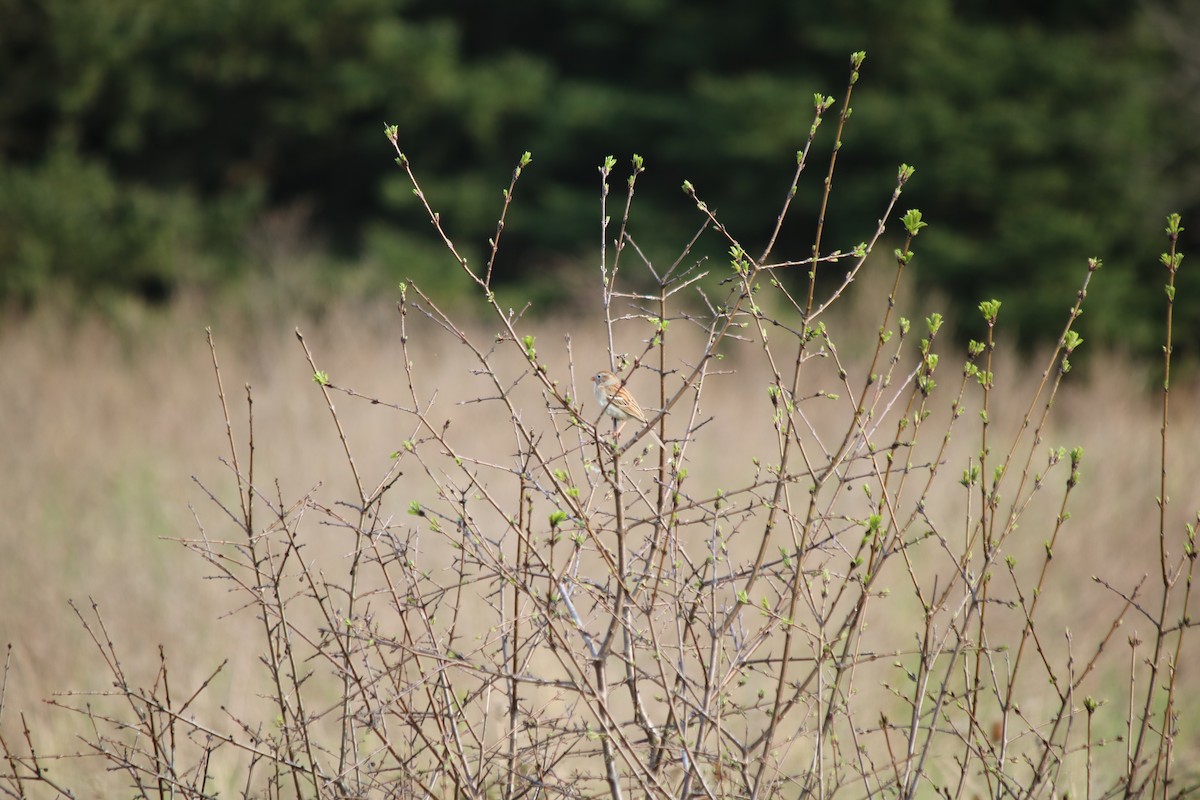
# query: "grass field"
x,y
112,432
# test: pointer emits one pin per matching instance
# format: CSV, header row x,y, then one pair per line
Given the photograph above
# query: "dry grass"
x,y
105,431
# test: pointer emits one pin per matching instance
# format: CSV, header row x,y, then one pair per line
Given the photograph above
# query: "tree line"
x,y
140,143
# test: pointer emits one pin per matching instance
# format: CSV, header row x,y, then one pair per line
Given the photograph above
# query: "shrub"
x,y
588,615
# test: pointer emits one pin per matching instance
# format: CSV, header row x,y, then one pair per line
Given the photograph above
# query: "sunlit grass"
x,y
107,427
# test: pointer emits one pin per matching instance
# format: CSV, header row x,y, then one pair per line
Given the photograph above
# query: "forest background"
x,y
151,150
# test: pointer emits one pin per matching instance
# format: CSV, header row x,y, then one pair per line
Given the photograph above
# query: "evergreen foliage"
x,y
140,141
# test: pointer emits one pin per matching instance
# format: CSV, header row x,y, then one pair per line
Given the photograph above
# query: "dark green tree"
x,y
1038,131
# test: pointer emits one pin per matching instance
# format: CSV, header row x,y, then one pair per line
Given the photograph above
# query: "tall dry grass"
x,y
109,429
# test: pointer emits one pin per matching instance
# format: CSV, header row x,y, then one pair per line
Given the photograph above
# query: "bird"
x,y
616,401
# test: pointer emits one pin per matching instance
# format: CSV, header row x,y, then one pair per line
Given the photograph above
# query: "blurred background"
x,y
149,150
166,166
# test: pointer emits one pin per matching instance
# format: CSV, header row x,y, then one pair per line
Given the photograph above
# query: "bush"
x,y
68,226
588,615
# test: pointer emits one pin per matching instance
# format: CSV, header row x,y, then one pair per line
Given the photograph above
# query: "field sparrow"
x,y
616,401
